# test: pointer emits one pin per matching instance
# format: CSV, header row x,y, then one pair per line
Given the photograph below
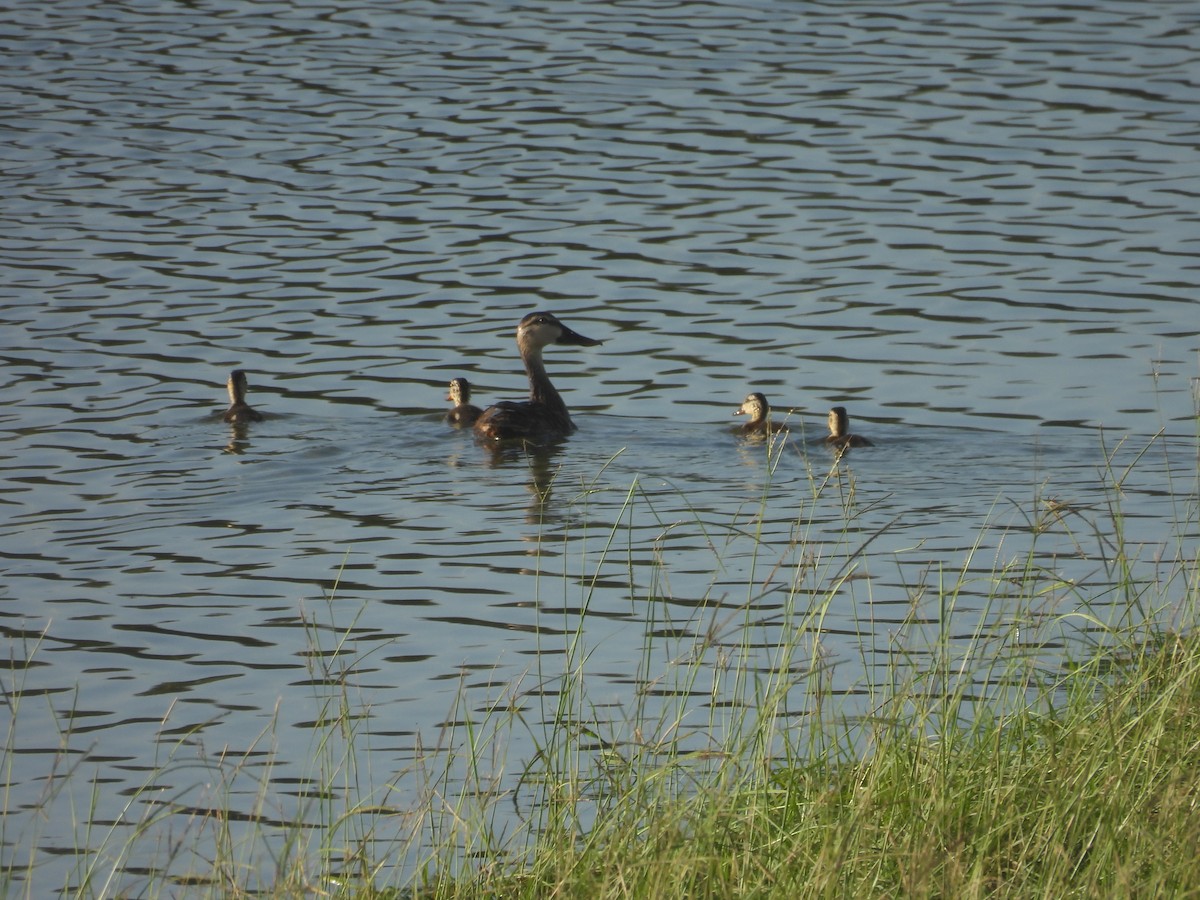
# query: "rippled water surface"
x,y
974,225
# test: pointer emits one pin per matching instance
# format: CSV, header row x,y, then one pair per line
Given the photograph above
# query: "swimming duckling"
x,y
759,410
839,431
239,411
460,394
544,416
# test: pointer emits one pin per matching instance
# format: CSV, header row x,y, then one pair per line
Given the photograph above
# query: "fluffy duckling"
x,y
839,431
543,417
759,411
240,412
463,412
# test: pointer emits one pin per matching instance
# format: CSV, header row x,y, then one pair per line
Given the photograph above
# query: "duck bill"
x,y
574,338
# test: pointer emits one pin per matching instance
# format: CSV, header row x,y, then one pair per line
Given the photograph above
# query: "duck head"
x,y
539,329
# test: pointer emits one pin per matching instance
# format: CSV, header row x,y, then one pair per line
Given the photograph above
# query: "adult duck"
x,y
240,412
543,417
839,431
756,407
463,412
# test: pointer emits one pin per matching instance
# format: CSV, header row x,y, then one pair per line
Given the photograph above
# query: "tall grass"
x,y
1036,753
991,763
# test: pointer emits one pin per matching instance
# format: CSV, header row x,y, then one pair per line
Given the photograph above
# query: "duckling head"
x,y
236,384
755,406
460,391
839,422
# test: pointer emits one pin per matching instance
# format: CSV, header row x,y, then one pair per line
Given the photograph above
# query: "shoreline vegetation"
x,y
1038,752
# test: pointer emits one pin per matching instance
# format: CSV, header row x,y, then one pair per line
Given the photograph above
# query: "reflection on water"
x,y
971,226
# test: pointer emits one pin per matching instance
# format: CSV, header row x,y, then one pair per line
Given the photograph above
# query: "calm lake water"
x,y
973,224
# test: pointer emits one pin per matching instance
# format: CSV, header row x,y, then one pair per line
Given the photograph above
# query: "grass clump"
x,y
986,768
1096,796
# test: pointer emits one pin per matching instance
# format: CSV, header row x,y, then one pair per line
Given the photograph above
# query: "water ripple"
x,y
973,224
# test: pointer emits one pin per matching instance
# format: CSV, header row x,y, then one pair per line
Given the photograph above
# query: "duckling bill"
x,y
239,412
544,416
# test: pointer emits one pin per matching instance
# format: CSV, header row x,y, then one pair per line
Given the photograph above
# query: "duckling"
x,y
543,417
759,410
460,394
839,431
239,411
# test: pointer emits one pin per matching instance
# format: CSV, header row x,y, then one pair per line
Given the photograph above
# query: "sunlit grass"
x,y
980,770
1038,753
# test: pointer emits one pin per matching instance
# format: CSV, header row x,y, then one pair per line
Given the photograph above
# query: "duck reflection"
x,y
239,440
539,462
